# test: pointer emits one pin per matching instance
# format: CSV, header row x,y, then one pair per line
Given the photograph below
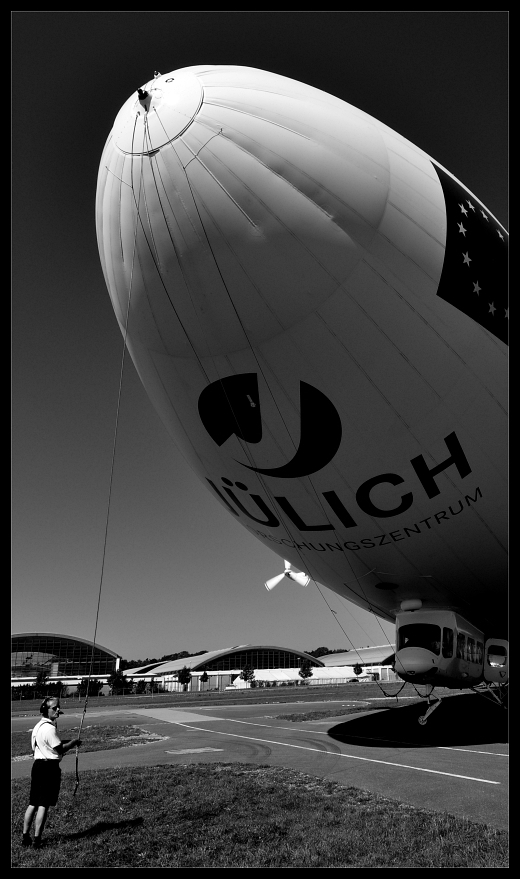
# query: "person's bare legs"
x,y
39,822
28,820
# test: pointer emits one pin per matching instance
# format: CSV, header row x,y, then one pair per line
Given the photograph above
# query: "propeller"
x,y
299,577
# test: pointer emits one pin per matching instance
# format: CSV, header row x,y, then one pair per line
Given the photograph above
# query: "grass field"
x,y
322,715
240,815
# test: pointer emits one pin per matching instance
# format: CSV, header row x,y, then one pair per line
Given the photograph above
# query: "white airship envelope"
x,y
318,311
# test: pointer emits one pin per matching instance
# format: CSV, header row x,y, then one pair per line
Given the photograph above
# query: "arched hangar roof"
x,y
21,639
228,658
59,655
362,656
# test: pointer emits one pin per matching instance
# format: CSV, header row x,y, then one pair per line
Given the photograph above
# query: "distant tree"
x,y
25,691
118,683
305,669
171,657
358,669
248,674
126,664
184,677
320,651
48,689
94,686
204,678
168,657
41,682
140,687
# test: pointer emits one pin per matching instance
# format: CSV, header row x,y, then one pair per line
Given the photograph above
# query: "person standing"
x,y
48,750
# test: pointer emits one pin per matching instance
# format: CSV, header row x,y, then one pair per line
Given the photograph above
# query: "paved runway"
x,y
454,765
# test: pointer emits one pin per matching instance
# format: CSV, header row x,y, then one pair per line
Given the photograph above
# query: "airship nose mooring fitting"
x,y
157,113
142,94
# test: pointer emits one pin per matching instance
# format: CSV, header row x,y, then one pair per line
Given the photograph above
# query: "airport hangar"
x,y
65,658
272,665
68,659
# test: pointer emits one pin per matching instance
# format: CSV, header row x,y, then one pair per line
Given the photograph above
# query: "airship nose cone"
x,y
260,200
414,660
158,112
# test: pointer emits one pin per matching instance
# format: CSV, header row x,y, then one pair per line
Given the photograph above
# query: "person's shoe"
x,y
37,842
26,839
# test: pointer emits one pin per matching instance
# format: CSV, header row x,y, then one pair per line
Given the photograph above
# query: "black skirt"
x,y
45,783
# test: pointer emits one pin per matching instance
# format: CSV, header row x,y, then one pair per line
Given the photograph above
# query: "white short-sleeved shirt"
x,y
44,740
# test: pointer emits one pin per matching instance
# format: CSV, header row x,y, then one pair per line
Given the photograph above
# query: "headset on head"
x,y
44,707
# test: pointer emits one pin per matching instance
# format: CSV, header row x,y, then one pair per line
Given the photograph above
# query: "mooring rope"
x,y
112,465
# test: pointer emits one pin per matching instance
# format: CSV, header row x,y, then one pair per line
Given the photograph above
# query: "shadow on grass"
x,y
460,720
99,827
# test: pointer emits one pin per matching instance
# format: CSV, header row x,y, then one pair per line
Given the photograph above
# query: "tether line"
x,y
112,468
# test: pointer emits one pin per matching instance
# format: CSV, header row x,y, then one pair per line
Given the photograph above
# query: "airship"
x,y
318,311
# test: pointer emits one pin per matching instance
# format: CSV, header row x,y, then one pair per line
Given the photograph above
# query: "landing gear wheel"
x,y
431,708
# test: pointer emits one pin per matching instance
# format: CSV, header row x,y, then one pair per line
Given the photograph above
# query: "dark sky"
x,y
438,78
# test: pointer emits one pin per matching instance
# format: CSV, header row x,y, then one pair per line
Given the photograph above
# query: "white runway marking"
x,y
194,750
320,732
471,751
384,698
336,754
